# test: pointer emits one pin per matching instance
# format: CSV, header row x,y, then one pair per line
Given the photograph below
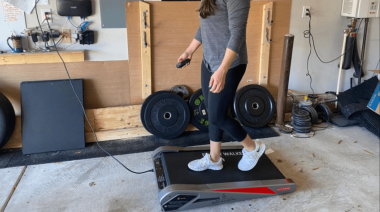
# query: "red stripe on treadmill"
x,y
256,190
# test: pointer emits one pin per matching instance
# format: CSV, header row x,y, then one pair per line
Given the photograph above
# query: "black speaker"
x,y
81,8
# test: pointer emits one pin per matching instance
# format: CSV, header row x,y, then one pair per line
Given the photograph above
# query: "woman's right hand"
x,y
183,57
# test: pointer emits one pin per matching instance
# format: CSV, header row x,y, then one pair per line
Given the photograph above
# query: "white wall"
x,y
327,28
111,44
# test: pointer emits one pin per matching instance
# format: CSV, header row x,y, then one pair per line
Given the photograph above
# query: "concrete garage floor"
x,y
337,170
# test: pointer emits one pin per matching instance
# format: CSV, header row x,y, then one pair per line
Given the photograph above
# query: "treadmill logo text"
x,y
231,153
228,154
283,189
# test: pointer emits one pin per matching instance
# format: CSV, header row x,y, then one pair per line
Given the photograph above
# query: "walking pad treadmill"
x,y
180,188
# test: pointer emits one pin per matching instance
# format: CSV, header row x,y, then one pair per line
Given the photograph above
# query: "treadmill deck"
x,y
177,172
180,188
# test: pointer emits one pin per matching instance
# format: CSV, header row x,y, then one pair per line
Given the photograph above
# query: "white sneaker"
x,y
250,159
206,163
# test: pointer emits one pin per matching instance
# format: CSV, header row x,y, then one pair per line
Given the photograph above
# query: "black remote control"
x,y
183,63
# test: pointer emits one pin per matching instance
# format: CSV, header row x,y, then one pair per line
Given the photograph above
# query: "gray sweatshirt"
x,y
225,29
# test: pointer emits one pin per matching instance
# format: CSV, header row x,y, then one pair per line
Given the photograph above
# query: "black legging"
x,y
217,104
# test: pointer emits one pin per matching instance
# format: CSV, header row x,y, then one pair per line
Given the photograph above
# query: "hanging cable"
x,y
308,34
81,104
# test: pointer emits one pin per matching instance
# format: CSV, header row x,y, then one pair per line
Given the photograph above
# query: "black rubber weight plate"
x,y
181,91
324,112
143,107
198,111
254,106
7,120
313,114
167,115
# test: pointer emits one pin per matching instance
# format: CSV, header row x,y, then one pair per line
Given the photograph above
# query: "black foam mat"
x,y
353,105
341,121
52,118
177,172
13,158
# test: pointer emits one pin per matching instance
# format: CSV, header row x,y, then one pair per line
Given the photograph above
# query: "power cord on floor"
x,y
323,127
84,112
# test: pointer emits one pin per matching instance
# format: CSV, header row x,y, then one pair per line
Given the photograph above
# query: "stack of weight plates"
x,y
167,115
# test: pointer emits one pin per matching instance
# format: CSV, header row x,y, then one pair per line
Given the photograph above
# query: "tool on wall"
x,y
269,17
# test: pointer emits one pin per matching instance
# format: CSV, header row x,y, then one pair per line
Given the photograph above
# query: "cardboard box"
x,y
374,103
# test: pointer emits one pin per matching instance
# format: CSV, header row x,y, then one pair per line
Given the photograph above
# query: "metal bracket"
x,y
144,18
269,22
144,39
266,36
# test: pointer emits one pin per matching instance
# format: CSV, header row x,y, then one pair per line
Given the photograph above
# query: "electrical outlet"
x,y
304,11
49,16
67,36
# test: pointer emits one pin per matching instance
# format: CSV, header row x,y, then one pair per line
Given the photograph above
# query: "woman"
x,y
222,32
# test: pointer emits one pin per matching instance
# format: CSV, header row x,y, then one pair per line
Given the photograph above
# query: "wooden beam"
x,y
123,134
41,57
146,66
117,134
109,124
114,118
266,29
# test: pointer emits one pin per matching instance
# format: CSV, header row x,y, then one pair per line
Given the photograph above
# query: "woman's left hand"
x,y
217,81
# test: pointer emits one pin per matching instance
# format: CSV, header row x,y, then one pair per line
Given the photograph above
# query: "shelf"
x,y
41,57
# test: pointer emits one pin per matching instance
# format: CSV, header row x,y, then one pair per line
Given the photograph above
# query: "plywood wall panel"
x,y
106,84
172,33
174,25
134,51
280,27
